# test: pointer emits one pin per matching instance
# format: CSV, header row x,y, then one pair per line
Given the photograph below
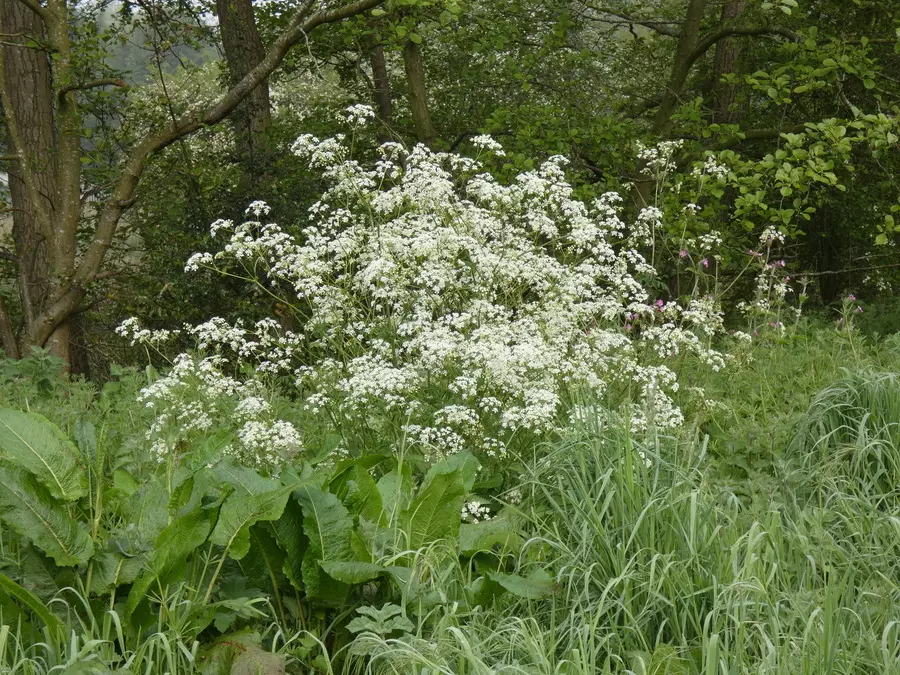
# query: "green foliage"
x,y
31,442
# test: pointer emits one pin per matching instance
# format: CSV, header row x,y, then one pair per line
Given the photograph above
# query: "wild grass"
x,y
764,538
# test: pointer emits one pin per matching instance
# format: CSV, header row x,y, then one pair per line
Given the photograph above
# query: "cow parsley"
x,y
440,309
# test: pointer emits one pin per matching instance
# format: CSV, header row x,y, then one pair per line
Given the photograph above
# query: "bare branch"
x,y
661,27
107,82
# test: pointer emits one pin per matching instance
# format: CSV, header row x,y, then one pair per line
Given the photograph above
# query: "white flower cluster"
x,y
475,512
358,115
132,329
436,301
197,396
661,157
485,142
711,167
772,285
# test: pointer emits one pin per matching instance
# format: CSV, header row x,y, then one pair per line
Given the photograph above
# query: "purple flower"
x,y
682,253
705,262
851,297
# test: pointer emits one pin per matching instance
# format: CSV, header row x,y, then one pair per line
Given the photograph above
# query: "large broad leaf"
x,y
264,567
10,589
29,509
488,535
244,481
149,509
237,515
396,491
33,443
464,462
328,526
357,489
174,544
536,585
293,541
435,512
353,572
113,569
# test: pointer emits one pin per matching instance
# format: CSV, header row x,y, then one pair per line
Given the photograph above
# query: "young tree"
x,y
40,87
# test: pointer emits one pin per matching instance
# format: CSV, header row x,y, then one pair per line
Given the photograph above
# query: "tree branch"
x,y
760,135
302,22
661,27
35,7
710,39
107,82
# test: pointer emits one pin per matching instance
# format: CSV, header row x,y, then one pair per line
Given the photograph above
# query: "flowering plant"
x,y
441,310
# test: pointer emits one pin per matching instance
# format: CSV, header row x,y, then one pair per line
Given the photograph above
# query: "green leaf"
x,y
33,443
434,514
150,510
112,569
353,572
239,513
293,541
328,526
86,438
265,566
244,481
11,589
881,239
415,37
124,482
465,462
357,489
173,546
29,509
486,535
381,621
396,490
536,585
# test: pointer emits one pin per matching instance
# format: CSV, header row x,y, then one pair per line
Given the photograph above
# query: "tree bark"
x,y
414,65
54,191
243,52
644,185
727,52
384,104
30,100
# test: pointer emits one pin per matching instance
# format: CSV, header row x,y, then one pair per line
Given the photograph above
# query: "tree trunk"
x,y
50,172
384,105
681,66
727,52
644,185
414,65
31,101
243,52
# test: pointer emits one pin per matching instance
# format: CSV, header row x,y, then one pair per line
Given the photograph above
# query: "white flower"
x,y
485,142
359,114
